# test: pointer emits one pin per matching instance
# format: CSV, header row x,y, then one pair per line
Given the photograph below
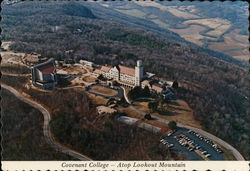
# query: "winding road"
x,y
230,148
46,128
75,154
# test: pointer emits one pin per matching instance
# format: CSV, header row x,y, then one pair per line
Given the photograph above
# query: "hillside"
x,y
216,90
26,134
224,30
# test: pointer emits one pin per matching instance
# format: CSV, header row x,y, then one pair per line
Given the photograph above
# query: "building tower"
x,y
138,73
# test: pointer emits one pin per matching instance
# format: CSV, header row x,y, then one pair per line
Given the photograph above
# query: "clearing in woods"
x,y
178,111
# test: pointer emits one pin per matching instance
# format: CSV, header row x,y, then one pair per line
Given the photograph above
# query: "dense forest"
x,y
23,123
217,91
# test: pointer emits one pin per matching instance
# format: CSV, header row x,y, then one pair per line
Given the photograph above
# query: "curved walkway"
x,y
46,128
235,152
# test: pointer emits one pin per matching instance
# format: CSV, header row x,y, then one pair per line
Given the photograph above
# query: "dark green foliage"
x,y
127,56
62,81
138,92
105,50
75,9
172,125
146,92
153,106
135,92
101,77
175,84
148,116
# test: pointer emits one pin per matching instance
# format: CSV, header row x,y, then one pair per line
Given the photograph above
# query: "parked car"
x,y
208,155
203,152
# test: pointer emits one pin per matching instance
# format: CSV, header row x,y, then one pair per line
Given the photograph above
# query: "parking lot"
x,y
192,145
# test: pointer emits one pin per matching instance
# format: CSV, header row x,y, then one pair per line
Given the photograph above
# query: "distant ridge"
x,y
79,10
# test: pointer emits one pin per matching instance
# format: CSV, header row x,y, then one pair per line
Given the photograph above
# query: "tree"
x,y
175,84
153,106
146,92
135,92
101,77
160,100
148,116
172,125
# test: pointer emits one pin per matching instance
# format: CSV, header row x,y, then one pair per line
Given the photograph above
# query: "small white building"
x,y
87,63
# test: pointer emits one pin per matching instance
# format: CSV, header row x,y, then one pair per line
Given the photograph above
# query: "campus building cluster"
x,y
44,76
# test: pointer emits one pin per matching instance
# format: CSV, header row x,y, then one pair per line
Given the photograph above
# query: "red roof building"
x,y
127,70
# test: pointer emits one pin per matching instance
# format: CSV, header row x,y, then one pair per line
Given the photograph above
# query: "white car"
x,y
203,152
170,133
208,155
161,140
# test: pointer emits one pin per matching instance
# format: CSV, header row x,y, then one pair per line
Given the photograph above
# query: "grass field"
x,y
220,26
234,44
192,33
89,79
178,12
103,90
97,99
178,111
181,13
161,24
133,12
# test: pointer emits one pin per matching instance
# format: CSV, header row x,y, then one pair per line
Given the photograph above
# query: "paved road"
x,y
230,148
46,129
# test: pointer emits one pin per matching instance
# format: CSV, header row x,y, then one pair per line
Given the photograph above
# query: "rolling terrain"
x,y
224,30
22,131
216,90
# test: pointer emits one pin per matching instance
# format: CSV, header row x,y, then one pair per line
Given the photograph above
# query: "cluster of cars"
x,y
165,142
208,141
217,149
185,141
191,145
171,132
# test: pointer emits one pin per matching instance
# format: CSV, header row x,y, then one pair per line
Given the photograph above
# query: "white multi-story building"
x,y
124,75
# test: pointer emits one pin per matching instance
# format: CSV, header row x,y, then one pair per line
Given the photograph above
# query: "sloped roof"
x,y
105,68
157,88
127,70
47,69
